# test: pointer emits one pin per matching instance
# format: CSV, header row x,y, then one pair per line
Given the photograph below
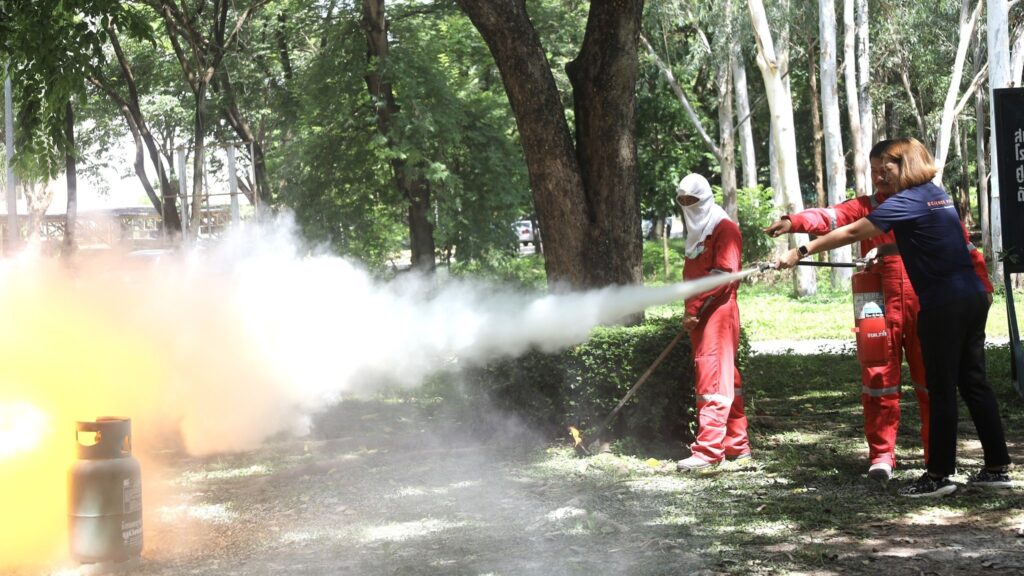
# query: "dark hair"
x,y
916,165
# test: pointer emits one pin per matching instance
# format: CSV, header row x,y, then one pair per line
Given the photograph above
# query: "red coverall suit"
x,y
880,394
723,423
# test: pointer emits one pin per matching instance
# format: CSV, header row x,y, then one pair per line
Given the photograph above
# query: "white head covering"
x,y
702,217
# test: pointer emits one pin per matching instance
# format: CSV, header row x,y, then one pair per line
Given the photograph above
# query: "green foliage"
x,y
755,211
654,261
508,268
51,47
453,127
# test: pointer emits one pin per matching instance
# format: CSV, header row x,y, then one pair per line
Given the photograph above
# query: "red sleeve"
x,y
726,246
821,221
978,259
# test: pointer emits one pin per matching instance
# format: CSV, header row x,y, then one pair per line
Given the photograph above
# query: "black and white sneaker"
x,y
986,478
926,487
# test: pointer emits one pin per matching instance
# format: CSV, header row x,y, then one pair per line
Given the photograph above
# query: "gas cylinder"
x,y
869,319
105,494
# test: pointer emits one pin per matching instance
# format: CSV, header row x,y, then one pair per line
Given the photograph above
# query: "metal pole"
x,y
12,182
183,195
233,182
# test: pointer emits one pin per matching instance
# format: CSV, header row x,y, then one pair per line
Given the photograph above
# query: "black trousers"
x,y
953,346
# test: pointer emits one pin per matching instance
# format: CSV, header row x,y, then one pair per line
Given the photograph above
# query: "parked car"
x,y
524,232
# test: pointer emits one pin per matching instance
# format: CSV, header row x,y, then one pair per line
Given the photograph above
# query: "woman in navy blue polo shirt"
x,y
954,309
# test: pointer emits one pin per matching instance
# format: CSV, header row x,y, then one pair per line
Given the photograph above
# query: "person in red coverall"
x,y
713,246
880,393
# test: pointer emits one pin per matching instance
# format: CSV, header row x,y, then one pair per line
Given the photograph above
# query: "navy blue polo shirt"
x,y
931,241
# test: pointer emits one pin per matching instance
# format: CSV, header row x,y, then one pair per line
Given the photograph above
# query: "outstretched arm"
x,y
855,232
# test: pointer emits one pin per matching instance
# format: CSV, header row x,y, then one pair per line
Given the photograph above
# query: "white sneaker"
x,y
693,463
880,471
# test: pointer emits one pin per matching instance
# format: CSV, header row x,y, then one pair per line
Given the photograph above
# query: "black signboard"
x,y
1009,111
1008,107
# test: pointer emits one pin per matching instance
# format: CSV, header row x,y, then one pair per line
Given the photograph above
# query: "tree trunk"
x,y
132,110
780,104
414,188
603,78
980,139
834,164
864,90
666,71
727,143
999,77
245,134
963,189
819,167
198,162
1017,56
853,101
968,18
587,204
918,112
37,201
746,132
71,173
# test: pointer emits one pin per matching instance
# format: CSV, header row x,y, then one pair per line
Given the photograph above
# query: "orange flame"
x,y
576,436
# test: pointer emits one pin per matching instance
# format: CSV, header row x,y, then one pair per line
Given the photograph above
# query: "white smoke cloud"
x,y
258,331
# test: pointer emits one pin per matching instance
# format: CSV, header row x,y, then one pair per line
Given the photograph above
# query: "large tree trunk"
x,y
591,226
71,175
968,18
999,77
835,167
864,90
603,78
748,159
860,163
780,104
413,187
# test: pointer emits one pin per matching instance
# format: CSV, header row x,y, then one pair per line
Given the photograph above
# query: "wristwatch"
x,y
802,250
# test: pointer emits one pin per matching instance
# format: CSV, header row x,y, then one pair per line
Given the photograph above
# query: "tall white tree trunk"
x,y
835,167
998,77
726,141
1017,57
968,19
867,136
982,162
748,159
780,104
860,165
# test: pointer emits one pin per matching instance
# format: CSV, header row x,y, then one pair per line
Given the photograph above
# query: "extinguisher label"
x,y
867,305
132,495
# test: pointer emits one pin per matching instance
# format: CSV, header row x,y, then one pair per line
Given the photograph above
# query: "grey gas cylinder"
x,y
105,494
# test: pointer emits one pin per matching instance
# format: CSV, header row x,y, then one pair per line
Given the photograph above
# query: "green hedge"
x,y
582,385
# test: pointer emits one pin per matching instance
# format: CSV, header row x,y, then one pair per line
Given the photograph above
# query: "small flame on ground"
x,y
576,436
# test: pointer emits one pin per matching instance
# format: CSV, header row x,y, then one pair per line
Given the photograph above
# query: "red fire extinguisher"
x,y
869,319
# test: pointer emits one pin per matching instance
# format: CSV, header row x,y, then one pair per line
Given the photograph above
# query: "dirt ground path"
x,y
397,488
